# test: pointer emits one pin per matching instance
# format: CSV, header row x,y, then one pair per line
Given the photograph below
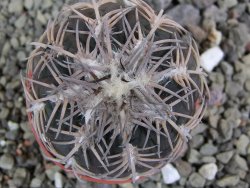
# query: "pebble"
x,y
225,157
19,176
227,68
28,4
6,162
170,174
13,126
58,180
242,143
15,6
233,88
196,180
184,168
216,14
227,4
226,129
228,181
203,4
247,85
194,156
40,17
185,14
209,171
241,162
208,149
36,182
211,58
20,22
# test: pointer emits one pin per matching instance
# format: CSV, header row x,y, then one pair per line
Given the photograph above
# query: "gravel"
x,y
219,153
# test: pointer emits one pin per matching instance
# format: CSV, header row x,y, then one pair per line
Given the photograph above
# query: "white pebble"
x,y
208,171
13,126
211,58
58,180
170,174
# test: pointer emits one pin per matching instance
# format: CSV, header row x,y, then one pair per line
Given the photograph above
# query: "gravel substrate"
x,y
219,153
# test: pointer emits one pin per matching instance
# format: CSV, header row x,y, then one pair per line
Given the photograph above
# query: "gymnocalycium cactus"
x,y
114,89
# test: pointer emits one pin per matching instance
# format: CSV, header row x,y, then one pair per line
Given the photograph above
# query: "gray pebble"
x,y
227,4
21,21
196,180
225,157
227,68
228,181
28,4
4,112
197,141
184,14
6,162
208,159
203,4
15,6
36,182
216,14
194,157
226,129
19,176
242,143
247,85
208,149
233,88
184,168
241,162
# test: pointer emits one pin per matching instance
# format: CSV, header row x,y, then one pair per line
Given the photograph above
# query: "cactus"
x,y
113,90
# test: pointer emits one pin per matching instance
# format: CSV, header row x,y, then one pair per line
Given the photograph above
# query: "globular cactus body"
x,y
113,90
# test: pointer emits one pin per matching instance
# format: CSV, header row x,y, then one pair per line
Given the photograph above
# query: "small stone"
x,y
13,126
197,141
14,42
209,171
20,22
184,168
211,58
15,6
19,176
246,59
36,182
227,4
185,14
198,33
247,85
126,185
242,143
4,112
170,174
216,14
6,162
227,68
208,159
226,129
228,181
51,172
47,4
41,18
241,162
196,180
28,4
58,180
233,88
208,149
214,37
225,156
203,4
194,156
